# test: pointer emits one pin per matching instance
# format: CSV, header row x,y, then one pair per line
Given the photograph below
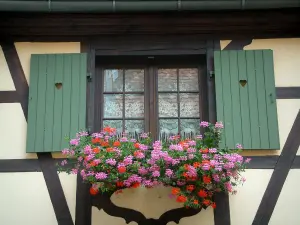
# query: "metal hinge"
x,y
89,77
211,74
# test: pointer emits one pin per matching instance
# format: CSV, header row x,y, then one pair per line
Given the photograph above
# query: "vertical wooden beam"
x,y
222,211
83,212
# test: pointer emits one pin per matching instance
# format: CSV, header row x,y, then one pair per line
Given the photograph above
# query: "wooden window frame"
x,y
150,64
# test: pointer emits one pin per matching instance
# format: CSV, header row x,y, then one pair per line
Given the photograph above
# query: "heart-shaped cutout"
x,y
243,82
58,85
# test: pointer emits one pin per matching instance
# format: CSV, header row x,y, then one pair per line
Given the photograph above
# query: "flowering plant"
x,y
195,168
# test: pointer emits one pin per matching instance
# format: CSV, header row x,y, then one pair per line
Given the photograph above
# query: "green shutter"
x,y
249,112
55,112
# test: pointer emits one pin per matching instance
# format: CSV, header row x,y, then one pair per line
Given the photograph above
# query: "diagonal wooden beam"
x,y
285,161
55,190
17,74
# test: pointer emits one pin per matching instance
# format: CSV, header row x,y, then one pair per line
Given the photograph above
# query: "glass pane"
x,y
167,80
189,126
132,126
113,106
113,80
189,105
168,126
134,80
134,106
188,79
167,105
113,123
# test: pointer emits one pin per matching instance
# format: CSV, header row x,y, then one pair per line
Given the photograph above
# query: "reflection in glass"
x,y
132,126
189,105
189,126
134,106
113,80
168,126
188,79
113,106
134,80
167,80
167,105
113,123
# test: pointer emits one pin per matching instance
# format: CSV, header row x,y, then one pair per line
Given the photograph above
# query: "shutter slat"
x,y
271,99
32,103
58,103
55,112
66,111
244,100
261,98
75,94
41,103
227,103
253,104
48,134
82,93
219,93
234,77
249,112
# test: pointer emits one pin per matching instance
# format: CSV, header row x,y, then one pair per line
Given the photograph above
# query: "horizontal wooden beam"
x,y
288,92
206,25
9,97
32,165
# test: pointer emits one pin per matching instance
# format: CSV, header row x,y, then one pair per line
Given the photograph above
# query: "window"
x,y
161,95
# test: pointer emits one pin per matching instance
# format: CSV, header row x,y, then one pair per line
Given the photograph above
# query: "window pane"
x,y
190,126
113,123
168,126
134,80
113,80
167,105
113,106
188,79
134,106
132,126
167,80
189,105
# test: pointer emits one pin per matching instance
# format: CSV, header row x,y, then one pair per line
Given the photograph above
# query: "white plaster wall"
x,y
13,132
24,199
6,82
244,204
287,209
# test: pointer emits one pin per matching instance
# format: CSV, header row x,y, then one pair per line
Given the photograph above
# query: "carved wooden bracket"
x,y
103,201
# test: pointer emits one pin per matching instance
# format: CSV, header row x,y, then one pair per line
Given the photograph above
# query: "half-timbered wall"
x,y
43,197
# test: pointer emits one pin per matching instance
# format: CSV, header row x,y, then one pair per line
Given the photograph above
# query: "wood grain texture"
x,y
224,25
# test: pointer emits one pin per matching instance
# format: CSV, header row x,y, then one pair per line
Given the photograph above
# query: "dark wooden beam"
x,y
9,97
238,44
288,92
278,23
17,74
263,162
279,175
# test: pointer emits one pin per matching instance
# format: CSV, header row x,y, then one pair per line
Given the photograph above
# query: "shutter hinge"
x,y
211,74
89,77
